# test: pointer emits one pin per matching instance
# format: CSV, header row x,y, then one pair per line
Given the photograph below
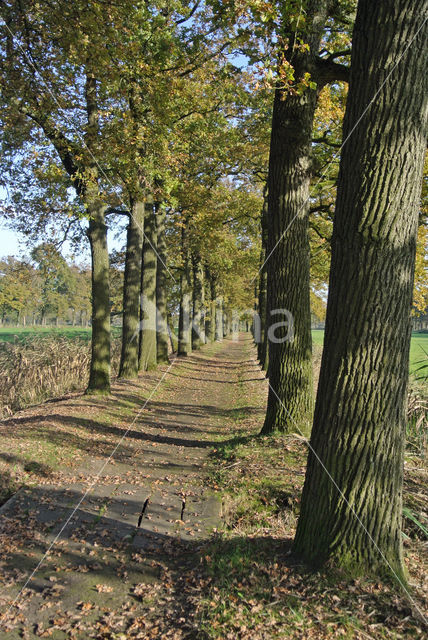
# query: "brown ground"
x,y
84,510
75,564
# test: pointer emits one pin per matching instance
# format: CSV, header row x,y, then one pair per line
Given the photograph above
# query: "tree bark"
x,y
227,322
218,317
161,295
99,377
147,354
184,321
262,298
210,324
171,334
290,397
352,502
128,367
198,324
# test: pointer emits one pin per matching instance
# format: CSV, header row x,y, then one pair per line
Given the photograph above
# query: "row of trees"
x,y
144,112
351,504
127,115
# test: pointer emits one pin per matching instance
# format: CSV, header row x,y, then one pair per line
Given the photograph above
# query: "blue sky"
x,y
13,244
9,243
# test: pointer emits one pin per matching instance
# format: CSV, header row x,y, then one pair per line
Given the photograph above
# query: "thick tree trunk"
x,y
128,367
99,378
290,398
198,324
210,325
262,298
218,317
351,504
171,334
290,362
147,352
227,322
184,321
161,295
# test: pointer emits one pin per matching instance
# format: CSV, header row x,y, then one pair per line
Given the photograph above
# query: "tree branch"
x,y
329,71
326,141
118,212
321,208
338,54
194,8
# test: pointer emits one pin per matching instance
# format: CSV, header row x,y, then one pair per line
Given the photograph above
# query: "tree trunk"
x,y
262,300
147,353
218,317
99,377
161,295
198,328
128,367
210,325
227,322
352,499
184,321
172,336
290,397
290,363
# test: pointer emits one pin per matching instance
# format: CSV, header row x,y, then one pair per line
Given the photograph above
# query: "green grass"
x,y
418,350
418,344
7,334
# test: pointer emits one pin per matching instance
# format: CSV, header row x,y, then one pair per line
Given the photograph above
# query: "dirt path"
x,y
74,561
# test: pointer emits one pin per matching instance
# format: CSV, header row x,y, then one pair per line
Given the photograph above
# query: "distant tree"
x,y
79,298
57,281
20,289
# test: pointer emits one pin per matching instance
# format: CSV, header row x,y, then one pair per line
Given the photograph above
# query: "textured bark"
x,y
198,324
359,424
171,334
262,297
147,354
290,362
211,323
219,318
161,295
84,177
128,367
184,321
99,377
227,322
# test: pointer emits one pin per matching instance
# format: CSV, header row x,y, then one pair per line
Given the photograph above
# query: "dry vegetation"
x,y
44,367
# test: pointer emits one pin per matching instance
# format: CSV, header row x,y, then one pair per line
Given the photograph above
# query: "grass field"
x,y
10,334
418,344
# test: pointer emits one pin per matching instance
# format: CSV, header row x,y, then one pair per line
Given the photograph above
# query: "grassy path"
x,y
101,565
218,508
